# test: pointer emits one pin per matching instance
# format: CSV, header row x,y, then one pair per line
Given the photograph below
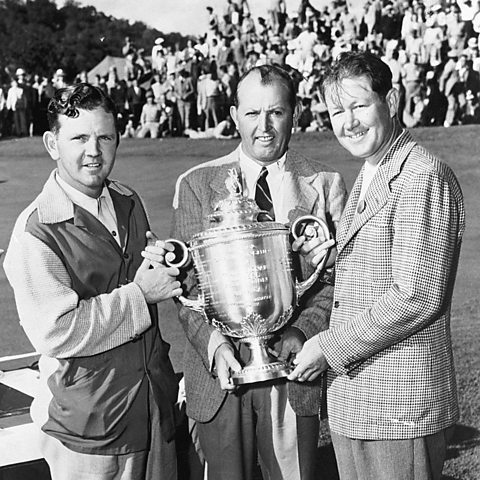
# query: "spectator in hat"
x,y
59,79
17,103
159,62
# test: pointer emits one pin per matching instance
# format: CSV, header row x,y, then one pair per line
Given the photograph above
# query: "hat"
x,y
452,53
435,8
149,94
20,71
472,42
60,73
159,40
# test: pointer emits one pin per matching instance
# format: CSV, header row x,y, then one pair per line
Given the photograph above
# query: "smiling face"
x,y
264,118
363,122
84,148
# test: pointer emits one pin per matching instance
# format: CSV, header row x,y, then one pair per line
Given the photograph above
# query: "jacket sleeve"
x,y
315,308
56,321
428,226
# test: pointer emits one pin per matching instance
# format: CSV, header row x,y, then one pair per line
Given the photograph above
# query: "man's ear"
x,y
233,114
50,142
393,100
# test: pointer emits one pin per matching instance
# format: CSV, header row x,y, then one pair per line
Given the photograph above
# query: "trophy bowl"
x,y
246,281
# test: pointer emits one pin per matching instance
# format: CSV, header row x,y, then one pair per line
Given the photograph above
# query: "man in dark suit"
x,y
136,100
391,383
277,418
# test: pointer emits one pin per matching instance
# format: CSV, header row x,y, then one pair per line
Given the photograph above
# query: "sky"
x,y
184,16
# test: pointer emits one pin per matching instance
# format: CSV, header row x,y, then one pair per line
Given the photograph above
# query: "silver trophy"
x,y
247,287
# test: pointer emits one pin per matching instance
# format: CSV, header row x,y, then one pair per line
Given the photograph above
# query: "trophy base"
x,y
261,373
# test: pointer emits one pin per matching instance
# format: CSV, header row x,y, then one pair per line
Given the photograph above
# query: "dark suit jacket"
x,y
310,188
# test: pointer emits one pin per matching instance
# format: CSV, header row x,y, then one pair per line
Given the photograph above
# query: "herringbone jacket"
x,y
312,189
389,345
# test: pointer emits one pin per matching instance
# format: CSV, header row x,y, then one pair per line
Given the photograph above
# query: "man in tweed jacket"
x,y
233,425
391,384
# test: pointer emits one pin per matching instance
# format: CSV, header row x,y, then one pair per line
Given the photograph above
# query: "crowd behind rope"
x,y
432,49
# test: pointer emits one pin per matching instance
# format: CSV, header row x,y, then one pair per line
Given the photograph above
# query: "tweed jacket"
x,y
389,345
312,189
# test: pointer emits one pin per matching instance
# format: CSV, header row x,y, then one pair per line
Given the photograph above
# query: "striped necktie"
x,y
262,193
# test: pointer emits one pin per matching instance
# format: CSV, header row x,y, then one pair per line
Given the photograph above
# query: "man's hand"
x,y
314,250
157,250
289,344
225,363
309,363
157,283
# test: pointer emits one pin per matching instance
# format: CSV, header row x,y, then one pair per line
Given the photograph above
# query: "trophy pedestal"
x,y
261,365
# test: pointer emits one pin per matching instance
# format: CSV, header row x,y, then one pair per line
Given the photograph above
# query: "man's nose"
x,y
263,121
351,120
92,147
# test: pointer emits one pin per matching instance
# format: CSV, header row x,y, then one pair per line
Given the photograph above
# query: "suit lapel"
x,y
349,212
377,193
302,196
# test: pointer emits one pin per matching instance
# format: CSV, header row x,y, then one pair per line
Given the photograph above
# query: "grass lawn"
x,y
152,167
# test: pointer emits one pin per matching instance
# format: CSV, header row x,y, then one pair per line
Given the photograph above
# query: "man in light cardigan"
x,y
86,296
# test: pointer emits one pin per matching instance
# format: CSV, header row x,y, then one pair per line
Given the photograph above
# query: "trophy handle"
x,y
195,305
180,257
309,226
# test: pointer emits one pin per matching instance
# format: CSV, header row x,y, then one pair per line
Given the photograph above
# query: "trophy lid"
x,y
237,212
236,209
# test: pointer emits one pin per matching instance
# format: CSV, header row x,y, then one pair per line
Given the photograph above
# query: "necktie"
x,y
262,193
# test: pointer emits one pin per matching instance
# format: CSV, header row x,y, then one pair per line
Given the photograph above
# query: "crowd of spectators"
x,y
431,46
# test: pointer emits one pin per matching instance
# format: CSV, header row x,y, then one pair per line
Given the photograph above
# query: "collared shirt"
x,y
101,208
369,172
276,173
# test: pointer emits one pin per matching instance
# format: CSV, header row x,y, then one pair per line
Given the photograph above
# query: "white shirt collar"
x,y
251,170
76,196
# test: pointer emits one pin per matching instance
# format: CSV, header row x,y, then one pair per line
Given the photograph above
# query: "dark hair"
x,y
357,64
268,74
67,101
